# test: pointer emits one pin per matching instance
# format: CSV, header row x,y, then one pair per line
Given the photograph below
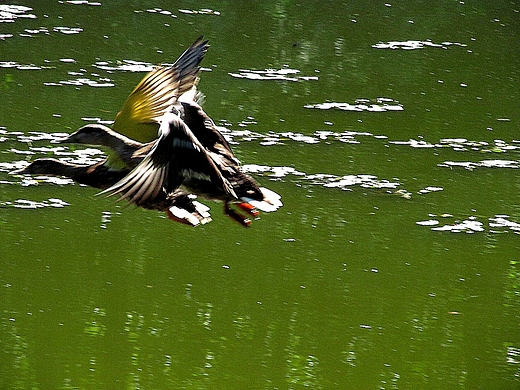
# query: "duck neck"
x,y
96,175
121,149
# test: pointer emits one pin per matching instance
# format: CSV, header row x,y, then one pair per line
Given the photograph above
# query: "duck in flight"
x,y
189,158
192,155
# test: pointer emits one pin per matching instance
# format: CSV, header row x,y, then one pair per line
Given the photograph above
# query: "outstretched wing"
x,y
157,92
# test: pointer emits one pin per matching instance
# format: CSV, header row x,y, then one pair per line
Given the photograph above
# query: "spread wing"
x,y
157,92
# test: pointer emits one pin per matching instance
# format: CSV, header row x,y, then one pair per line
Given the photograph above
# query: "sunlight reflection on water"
x,y
481,164
412,45
381,105
80,81
495,224
16,65
31,204
8,12
285,74
125,65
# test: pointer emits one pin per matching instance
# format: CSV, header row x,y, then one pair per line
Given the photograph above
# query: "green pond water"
x,y
391,130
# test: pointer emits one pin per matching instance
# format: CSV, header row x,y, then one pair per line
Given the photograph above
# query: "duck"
x,y
191,154
202,165
132,134
190,158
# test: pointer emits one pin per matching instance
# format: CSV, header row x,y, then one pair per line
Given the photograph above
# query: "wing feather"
x,y
170,161
157,92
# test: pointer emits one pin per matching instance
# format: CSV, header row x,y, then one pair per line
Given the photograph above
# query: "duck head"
x,y
91,134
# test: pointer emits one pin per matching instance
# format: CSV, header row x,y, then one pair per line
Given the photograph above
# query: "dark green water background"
x,y
394,263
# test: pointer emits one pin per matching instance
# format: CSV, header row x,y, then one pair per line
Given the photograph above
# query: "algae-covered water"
x,y
391,130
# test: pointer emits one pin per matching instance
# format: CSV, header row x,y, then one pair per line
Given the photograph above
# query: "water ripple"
x,y
125,65
482,164
67,30
14,64
158,10
413,45
285,74
32,204
29,33
462,145
80,81
9,12
496,224
29,181
381,105
83,2
33,136
513,355
430,189
272,138
203,11
327,180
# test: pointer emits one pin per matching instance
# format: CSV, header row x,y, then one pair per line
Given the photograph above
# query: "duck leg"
x,y
244,221
249,208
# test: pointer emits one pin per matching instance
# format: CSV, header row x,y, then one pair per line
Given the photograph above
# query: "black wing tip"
x,y
200,46
193,55
201,42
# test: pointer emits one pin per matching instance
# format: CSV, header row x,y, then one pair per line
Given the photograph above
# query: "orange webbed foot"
x,y
249,208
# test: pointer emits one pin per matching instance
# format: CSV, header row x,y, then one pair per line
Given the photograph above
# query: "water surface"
x,y
389,129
